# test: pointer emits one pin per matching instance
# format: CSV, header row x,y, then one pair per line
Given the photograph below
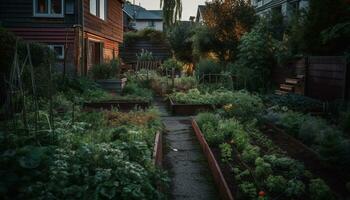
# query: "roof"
x,y
200,11
140,13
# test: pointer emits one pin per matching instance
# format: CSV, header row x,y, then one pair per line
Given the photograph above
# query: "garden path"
x,y
184,160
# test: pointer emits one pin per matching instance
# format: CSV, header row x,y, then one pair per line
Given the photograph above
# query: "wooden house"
x,y
82,32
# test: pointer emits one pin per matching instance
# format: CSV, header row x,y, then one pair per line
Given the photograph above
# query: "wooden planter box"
x,y
121,105
188,109
112,85
224,190
157,156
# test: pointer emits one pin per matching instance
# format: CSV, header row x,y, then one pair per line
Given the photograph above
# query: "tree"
x,y
172,11
180,39
322,16
228,21
255,58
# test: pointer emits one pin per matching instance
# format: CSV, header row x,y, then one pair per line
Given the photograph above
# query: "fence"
x,y
326,77
128,52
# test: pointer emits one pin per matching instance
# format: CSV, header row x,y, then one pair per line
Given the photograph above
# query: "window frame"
x,y
151,24
52,47
98,9
48,14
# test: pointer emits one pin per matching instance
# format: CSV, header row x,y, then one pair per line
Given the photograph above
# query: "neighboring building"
x,y
285,7
200,13
82,32
142,18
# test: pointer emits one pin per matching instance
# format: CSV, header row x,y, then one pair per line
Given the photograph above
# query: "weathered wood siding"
x,y
112,27
326,78
19,13
160,51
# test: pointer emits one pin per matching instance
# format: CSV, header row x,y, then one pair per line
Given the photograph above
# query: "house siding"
x,y
158,25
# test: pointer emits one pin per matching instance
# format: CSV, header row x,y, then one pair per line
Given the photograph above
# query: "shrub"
x,y
319,190
105,70
207,66
276,184
180,39
172,63
145,34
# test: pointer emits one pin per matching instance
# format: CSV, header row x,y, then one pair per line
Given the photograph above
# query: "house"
x,y
142,18
285,7
82,32
200,14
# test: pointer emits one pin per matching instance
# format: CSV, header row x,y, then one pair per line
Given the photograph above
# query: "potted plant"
x,y
107,75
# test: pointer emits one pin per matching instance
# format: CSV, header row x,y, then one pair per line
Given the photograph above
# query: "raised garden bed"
x,y
112,85
122,105
158,150
311,159
224,190
188,109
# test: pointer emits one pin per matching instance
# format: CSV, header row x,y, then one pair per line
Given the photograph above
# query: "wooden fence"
x,y
160,51
326,77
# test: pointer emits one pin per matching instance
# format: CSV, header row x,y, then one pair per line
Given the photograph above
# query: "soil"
x,y
334,177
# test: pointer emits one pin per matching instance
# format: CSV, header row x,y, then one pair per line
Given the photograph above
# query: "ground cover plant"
x,y
260,168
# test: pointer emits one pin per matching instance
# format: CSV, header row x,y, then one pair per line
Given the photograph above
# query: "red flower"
x,y
262,194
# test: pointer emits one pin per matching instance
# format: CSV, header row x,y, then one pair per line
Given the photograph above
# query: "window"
x,y
48,8
93,7
98,8
58,49
151,24
69,7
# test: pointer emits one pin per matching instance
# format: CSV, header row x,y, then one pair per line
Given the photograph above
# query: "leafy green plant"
x,y
319,190
144,55
250,154
262,168
213,137
226,152
248,190
207,118
295,188
276,184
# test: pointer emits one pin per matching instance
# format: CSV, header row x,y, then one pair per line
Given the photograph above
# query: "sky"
x,y
189,7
